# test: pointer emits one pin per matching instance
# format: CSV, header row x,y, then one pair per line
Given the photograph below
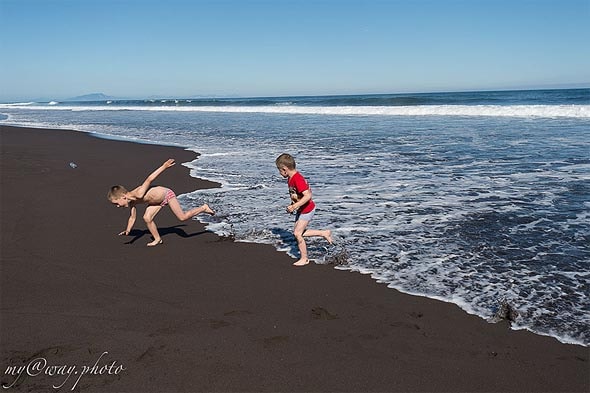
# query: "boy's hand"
x,y
124,233
168,163
291,208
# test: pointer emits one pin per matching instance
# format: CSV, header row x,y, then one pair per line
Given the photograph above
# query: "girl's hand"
x,y
124,233
168,163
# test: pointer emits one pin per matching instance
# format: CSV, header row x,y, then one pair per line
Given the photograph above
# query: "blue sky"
x,y
137,48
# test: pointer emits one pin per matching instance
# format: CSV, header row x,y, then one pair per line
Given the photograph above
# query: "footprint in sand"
x,y
323,314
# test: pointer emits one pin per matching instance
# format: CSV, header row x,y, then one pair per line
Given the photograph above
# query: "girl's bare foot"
x,y
155,243
301,262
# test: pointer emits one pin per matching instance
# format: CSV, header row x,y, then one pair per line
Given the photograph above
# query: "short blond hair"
x,y
116,192
285,160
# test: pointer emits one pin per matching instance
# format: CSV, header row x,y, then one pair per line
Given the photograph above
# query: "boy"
x,y
302,204
156,198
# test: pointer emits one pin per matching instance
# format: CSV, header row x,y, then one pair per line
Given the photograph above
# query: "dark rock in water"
x,y
337,256
505,312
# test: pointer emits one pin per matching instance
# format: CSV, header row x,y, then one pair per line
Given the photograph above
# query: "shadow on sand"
x,y
176,229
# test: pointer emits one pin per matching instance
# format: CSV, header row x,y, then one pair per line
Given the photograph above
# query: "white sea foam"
x,y
542,111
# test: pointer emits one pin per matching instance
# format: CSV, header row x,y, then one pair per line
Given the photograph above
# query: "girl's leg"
x,y
182,215
299,230
148,217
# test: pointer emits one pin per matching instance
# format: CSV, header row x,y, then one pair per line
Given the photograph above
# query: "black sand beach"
x,y
84,309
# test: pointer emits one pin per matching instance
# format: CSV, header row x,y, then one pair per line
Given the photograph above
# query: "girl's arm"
x,y
140,191
130,221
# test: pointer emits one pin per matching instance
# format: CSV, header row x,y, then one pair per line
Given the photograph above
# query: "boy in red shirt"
x,y
302,204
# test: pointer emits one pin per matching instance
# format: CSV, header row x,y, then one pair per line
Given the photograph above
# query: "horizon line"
x,y
572,86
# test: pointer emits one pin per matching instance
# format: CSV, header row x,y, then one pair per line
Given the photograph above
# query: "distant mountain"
x,y
91,97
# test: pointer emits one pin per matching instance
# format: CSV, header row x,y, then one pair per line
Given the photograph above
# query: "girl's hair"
x,y
116,192
285,160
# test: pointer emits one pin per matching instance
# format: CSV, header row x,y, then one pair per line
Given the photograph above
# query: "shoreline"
x,y
564,339
202,313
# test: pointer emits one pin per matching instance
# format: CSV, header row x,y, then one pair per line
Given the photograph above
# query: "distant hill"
x,y
91,97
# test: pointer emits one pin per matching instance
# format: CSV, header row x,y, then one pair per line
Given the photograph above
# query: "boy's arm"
x,y
302,201
130,221
140,191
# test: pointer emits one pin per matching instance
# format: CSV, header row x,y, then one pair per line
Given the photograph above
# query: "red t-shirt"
x,y
297,184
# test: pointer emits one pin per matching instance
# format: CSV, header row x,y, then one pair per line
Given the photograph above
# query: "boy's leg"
x,y
148,217
300,226
182,215
326,234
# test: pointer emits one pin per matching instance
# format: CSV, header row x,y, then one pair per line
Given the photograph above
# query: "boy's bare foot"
x,y
155,243
208,210
301,262
328,236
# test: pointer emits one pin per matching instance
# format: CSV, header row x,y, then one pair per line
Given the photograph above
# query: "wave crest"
x,y
545,111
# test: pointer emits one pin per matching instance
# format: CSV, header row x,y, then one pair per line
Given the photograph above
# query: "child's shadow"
x,y
317,251
138,234
287,239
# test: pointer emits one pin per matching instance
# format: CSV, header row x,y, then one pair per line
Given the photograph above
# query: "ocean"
x,y
473,198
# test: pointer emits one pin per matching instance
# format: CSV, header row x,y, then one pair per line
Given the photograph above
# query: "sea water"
x,y
471,198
